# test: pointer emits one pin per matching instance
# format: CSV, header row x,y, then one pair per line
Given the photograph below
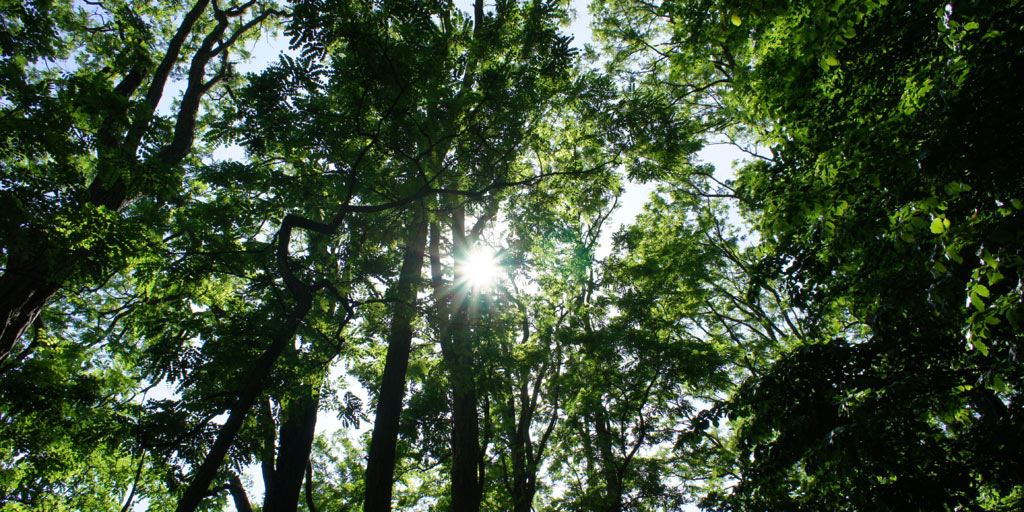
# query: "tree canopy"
x,y
255,291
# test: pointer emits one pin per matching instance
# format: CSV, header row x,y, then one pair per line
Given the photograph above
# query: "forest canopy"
x,y
381,271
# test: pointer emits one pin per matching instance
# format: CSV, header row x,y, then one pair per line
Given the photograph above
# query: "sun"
x,y
480,268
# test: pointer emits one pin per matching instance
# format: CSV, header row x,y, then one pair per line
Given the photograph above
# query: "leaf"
x,y
831,60
938,227
736,20
979,346
977,302
981,290
954,254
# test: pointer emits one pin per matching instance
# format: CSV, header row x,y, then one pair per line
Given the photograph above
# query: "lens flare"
x,y
480,268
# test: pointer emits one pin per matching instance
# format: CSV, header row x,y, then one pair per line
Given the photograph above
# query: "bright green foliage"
x,y
885,204
836,327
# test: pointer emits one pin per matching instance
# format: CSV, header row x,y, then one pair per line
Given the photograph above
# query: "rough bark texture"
x,y
380,466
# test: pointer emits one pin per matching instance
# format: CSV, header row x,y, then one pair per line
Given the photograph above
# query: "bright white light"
x,y
480,268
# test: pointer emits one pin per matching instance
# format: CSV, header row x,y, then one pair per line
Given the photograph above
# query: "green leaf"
x,y
736,20
977,302
979,346
954,254
981,290
937,226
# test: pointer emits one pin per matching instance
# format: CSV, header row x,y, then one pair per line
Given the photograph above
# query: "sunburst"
x,y
480,268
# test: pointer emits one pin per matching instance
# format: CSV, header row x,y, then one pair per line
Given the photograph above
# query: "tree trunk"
x,y
25,288
466,483
238,495
609,469
523,479
380,466
298,424
467,488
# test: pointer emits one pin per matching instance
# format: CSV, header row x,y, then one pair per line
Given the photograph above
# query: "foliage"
x,y
836,325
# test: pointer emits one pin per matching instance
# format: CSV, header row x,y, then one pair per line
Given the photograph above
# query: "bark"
x,y
25,288
269,446
309,487
380,466
238,494
609,469
457,351
295,443
523,480
466,482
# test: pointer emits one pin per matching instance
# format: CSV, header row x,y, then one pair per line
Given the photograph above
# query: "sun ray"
x,y
480,268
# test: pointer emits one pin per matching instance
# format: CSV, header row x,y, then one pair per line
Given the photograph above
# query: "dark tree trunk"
x,y
298,424
523,482
25,289
380,466
524,468
609,469
466,482
238,495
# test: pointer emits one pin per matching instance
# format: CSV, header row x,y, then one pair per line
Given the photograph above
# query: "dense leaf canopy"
x,y
225,290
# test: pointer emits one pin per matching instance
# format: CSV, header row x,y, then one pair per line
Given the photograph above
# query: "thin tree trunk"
x,y
380,466
238,494
310,505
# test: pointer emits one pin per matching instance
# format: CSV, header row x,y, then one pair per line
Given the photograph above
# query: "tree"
x,y
834,327
878,180
82,148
